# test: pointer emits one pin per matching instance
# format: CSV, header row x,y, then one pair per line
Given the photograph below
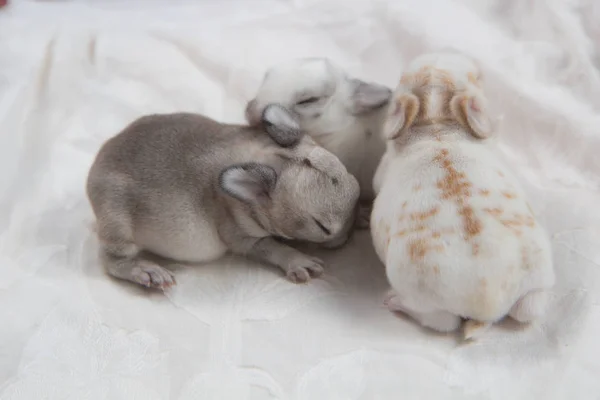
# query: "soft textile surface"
x,y
74,73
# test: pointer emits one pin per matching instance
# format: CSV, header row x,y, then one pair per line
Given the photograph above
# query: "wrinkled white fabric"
x,y
74,73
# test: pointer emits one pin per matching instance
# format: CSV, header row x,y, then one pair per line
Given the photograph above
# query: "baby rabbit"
x,y
187,188
451,224
343,114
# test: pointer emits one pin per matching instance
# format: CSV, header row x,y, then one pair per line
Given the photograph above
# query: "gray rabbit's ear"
x,y
281,125
251,183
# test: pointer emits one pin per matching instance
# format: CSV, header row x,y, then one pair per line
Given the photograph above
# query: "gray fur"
x,y
187,188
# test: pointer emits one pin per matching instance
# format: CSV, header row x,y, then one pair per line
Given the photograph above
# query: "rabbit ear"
x,y
251,182
367,97
281,125
470,111
402,114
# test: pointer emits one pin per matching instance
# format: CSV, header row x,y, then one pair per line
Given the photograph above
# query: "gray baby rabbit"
x,y
188,188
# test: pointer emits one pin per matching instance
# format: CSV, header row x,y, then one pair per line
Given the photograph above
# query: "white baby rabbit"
x,y
343,114
451,224
187,188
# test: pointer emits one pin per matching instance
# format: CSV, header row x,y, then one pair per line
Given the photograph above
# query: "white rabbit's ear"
x,y
471,111
281,125
368,97
402,113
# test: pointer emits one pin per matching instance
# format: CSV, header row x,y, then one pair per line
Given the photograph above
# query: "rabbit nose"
x,y
337,242
338,230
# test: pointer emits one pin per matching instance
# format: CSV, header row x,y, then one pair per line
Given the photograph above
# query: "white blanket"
x,y
74,73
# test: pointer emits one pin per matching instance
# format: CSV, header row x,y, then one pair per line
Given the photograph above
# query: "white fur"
x,y
345,117
450,222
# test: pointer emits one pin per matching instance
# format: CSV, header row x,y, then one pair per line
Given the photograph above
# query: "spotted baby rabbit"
x,y
188,188
343,114
450,222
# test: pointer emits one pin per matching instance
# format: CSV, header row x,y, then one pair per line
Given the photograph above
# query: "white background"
x,y
74,73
